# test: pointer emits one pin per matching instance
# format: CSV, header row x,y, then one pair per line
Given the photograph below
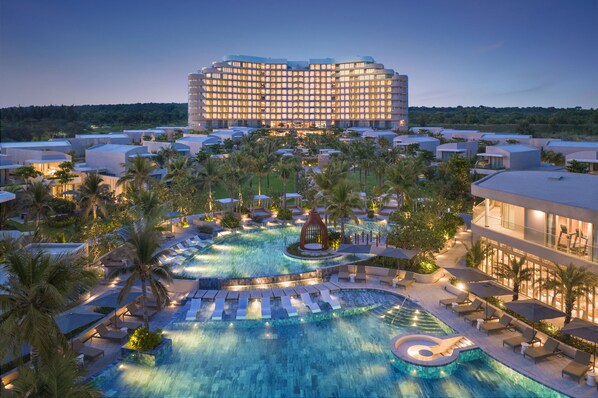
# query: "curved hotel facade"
x,y
276,93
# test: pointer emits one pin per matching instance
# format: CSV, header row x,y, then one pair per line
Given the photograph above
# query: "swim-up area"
x,y
344,353
260,252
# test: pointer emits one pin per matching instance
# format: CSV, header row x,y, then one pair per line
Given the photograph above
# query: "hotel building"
x,y
276,93
548,217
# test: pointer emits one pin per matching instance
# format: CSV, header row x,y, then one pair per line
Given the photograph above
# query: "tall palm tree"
x,y
94,195
401,178
261,166
326,180
515,271
147,205
342,199
143,243
163,155
137,173
38,198
286,167
179,168
477,253
57,377
210,174
571,283
38,287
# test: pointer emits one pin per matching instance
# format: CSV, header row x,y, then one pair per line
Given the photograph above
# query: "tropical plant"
x,y
342,200
146,205
145,340
571,283
57,377
401,178
575,166
516,272
476,253
142,240
209,175
284,214
230,221
286,167
261,166
27,172
38,287
137,173
64,173
164,154
38,199
94,195
179,168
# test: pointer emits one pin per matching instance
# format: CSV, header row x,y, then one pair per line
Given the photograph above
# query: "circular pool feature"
x,y
313,246
427,350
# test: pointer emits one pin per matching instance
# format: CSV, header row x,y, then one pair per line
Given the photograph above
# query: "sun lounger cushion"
x,y
579,366
548,349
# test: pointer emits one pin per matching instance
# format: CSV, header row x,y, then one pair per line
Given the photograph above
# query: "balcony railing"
x,y
575,243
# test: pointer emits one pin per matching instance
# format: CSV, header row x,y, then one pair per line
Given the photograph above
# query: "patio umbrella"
x,y
394,252
111,300
469,274
534,310
583,329
488,289
354,249
71,321
69,192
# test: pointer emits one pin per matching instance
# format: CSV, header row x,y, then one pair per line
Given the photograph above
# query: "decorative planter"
x,y
149,358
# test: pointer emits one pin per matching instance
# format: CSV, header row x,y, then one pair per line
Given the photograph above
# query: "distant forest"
x,y
43,122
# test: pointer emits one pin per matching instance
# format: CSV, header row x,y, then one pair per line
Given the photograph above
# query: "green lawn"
x,y
46,230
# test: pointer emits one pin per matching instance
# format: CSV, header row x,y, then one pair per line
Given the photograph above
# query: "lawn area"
x,y
46,230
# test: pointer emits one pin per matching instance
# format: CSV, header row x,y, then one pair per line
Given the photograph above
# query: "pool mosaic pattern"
x,y
345,356
259,252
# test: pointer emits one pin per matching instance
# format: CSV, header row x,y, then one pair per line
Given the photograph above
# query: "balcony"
x,y
563,237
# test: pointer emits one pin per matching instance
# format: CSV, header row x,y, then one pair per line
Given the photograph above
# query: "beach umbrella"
x,y
534,310
346,248
488,289
394,252
71,321
583,329
469,274
70,192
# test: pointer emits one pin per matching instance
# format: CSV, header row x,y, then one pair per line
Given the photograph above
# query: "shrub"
x,y
370,213
257,219
61,222
285,214
205,229
144,340
207,218
334,239
230,221
62,206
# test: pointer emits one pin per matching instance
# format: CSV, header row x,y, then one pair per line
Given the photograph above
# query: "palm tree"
x,y
261,166
64,175
163,155
57,377
142,240
287,167
401,178
178,169
209,175
138,171
326,180
38,198
342,199
570,282
94,195
476,253
38,287
515,271
146,205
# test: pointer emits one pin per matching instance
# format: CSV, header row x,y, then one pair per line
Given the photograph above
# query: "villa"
x,y
507,157
550,217
197,142
588,158
420,141
467,149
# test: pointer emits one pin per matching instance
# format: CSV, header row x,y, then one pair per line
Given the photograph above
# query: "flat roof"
x,y
265,60
35,144
55,248
581,144
6,196
568,189
198,138
114,147
109,135
516,148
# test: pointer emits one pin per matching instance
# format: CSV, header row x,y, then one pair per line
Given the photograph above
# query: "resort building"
x,y
507,157
137,135
569,147
227,135
197,142
7,166
588,158
421,142
155,146
466,149
548,217
377,135
83,141
60,145
277,93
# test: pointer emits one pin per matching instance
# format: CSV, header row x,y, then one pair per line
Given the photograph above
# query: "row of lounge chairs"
x,y
265,297
182,250
390,278
475,310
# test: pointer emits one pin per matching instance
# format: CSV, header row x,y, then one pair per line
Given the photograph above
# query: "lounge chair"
x,y
579,366
314,307
407,281
503,323
528,336
468,309
360,275
480,314
286,304
325,294
462,298
549,349
130,325
137,312
218,310
266,310
331,286
113,335
343,272
242,309
193,310
89,353
392,274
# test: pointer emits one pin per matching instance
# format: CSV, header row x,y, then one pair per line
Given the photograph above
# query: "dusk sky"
x,y
494,53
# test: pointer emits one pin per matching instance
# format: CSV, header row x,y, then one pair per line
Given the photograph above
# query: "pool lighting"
x,y
415,318
461,286
230,325
414,324
121,366
417,311
267,324
302,320
397,307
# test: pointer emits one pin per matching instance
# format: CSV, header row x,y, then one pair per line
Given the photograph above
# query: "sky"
x,y
458,52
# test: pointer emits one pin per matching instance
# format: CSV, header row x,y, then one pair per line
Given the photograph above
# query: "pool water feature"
x,y
260,252
343,356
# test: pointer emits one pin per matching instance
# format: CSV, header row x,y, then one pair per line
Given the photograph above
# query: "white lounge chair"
x,y
219,310
332,301
314,307
193,310
266,310
286,304
242,310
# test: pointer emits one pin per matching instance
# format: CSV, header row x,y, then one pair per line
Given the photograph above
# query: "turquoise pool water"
x,y
259,253
321,356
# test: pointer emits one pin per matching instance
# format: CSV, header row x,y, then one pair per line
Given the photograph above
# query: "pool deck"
x,y
547,372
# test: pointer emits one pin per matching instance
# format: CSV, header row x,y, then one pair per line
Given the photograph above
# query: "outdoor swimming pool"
x,y
259,253
323,356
